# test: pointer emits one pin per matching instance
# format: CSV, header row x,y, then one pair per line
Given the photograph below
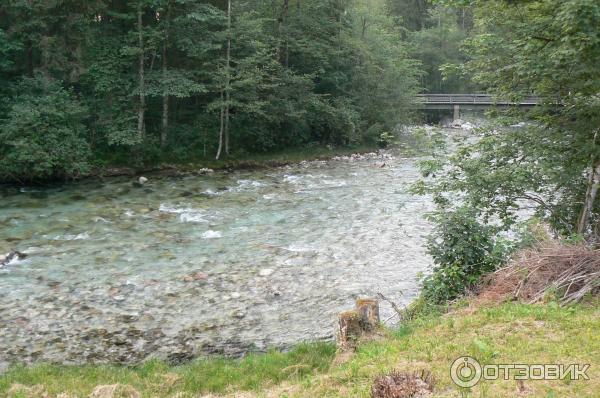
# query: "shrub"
x,y
385,139
463,250
43,135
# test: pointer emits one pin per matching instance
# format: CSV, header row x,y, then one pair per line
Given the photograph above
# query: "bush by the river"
x,y
43,135
463,249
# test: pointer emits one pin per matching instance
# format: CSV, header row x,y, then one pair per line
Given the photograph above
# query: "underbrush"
x,y
463,249
564,273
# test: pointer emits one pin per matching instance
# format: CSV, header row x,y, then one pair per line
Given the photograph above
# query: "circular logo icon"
x,y
465,372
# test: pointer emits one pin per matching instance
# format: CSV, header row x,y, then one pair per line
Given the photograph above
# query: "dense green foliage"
x,y
550,165
436,33
144,81
44,132
463,250
550,48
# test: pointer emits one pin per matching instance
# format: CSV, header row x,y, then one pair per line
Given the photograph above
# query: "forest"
x,y
91,84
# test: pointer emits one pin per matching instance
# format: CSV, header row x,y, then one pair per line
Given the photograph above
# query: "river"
x,y
192,265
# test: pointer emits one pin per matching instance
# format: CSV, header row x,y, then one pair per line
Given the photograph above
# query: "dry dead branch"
x,y
570,272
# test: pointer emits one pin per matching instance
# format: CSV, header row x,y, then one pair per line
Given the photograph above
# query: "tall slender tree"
x,y
141,128
226,92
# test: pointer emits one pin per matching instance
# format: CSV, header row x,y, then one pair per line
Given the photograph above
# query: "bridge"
x,y
469,101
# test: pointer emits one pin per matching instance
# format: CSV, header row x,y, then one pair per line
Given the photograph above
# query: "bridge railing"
x,y
466,99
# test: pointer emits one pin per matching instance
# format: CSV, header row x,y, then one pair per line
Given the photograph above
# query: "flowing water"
x,y
193,265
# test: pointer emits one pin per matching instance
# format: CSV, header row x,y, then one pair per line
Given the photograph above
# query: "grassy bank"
x,y
502,334
156,379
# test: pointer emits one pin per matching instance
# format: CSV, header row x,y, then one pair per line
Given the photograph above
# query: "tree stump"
x,y
353,324
349,329
368,309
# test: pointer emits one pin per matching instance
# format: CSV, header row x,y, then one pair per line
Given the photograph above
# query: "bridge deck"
x,y
480,100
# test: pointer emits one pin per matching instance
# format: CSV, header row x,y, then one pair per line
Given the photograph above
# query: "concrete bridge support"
x,y
456,113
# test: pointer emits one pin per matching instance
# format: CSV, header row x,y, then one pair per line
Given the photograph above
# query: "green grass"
x,y
502,334
155,378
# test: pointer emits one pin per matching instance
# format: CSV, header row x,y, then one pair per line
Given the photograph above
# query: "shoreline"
x,y
199,167
132,336
429,342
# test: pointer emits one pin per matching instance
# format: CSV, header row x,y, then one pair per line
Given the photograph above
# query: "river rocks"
x,y
210,234
205,171
11,257
288,250
198,276
140,182
355,157
265,272
462,125
117,171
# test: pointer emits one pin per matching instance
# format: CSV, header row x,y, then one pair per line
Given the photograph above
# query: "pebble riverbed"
x,y
221,263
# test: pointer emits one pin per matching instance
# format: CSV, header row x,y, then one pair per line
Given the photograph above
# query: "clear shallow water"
x,y
279,253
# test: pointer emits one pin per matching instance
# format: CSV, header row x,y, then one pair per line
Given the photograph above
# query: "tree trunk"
x,y
165,99
228,75
165,120
591,193
222,127
142,82
340,25
227,129
286,8
29,59
277,32
364,28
